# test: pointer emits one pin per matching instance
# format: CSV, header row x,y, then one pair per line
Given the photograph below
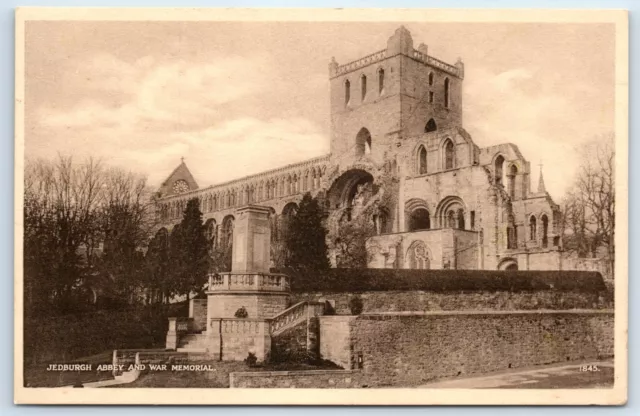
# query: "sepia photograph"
x,y
374,206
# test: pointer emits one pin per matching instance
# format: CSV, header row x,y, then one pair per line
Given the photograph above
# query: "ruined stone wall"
x,y
399,350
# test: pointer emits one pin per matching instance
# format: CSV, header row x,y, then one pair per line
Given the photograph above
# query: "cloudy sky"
x,y
238,98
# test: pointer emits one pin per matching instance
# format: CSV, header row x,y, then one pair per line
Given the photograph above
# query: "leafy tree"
x,y
306,237
158,269
189,252
349,243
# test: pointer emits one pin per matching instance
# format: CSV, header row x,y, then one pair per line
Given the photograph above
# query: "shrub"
x,y
356,305
251,360
328,308
241,313
363,280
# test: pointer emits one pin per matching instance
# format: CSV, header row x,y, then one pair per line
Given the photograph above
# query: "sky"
x,y
236,98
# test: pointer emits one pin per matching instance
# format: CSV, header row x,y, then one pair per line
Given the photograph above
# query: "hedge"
x,y
362,280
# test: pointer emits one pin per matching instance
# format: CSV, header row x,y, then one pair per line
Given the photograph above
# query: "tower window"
x,y
545,231
431,126
430,78
380,80
422,160
532,228
472,220
431,97
446,92
363,86
347,92
363,142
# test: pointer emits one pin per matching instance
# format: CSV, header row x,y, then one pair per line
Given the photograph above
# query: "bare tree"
x,y
588,222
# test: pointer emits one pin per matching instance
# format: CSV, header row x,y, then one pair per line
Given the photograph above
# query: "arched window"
x,y
422,160
446,92
363,142
419,220
347,92
511,181
449,155
363,87
288,212
533,228
418,256
430,78
380,80
430,126
498,170
545,230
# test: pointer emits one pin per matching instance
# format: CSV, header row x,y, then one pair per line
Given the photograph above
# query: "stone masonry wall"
x,y
297,379
335,339
395,301
198,311
408,350
290,344
263,305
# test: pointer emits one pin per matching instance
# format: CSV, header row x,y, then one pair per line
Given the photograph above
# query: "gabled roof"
x,y
181,172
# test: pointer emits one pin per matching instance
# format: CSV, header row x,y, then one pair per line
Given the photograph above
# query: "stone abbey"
x,y
401,159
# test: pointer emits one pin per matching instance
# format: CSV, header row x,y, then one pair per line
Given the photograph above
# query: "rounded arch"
x,y
345,188
448,154
508,263
451,212
430,78
363,142
418,256
290,209
430,126
417,215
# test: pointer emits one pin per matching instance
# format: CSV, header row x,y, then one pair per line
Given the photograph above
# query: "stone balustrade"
x,y
294,314
265,282
243,326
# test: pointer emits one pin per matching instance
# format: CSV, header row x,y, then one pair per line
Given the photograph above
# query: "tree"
x,y
157,267
189,252
349,242
306,237
588,222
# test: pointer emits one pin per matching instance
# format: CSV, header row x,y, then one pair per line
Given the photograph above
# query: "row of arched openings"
x,y
449,157
543,238
450,213
363,86
274,188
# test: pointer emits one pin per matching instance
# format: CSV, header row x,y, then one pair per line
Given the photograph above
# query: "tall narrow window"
x,y
363,87
460,215
498,170
446,92
422,160
430,78
449,155
511,181
347,92
431,97
380,80
532,228
472,220
363,142
545,231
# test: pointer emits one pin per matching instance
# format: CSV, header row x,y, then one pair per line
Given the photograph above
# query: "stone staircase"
x,y
194,343
295,314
